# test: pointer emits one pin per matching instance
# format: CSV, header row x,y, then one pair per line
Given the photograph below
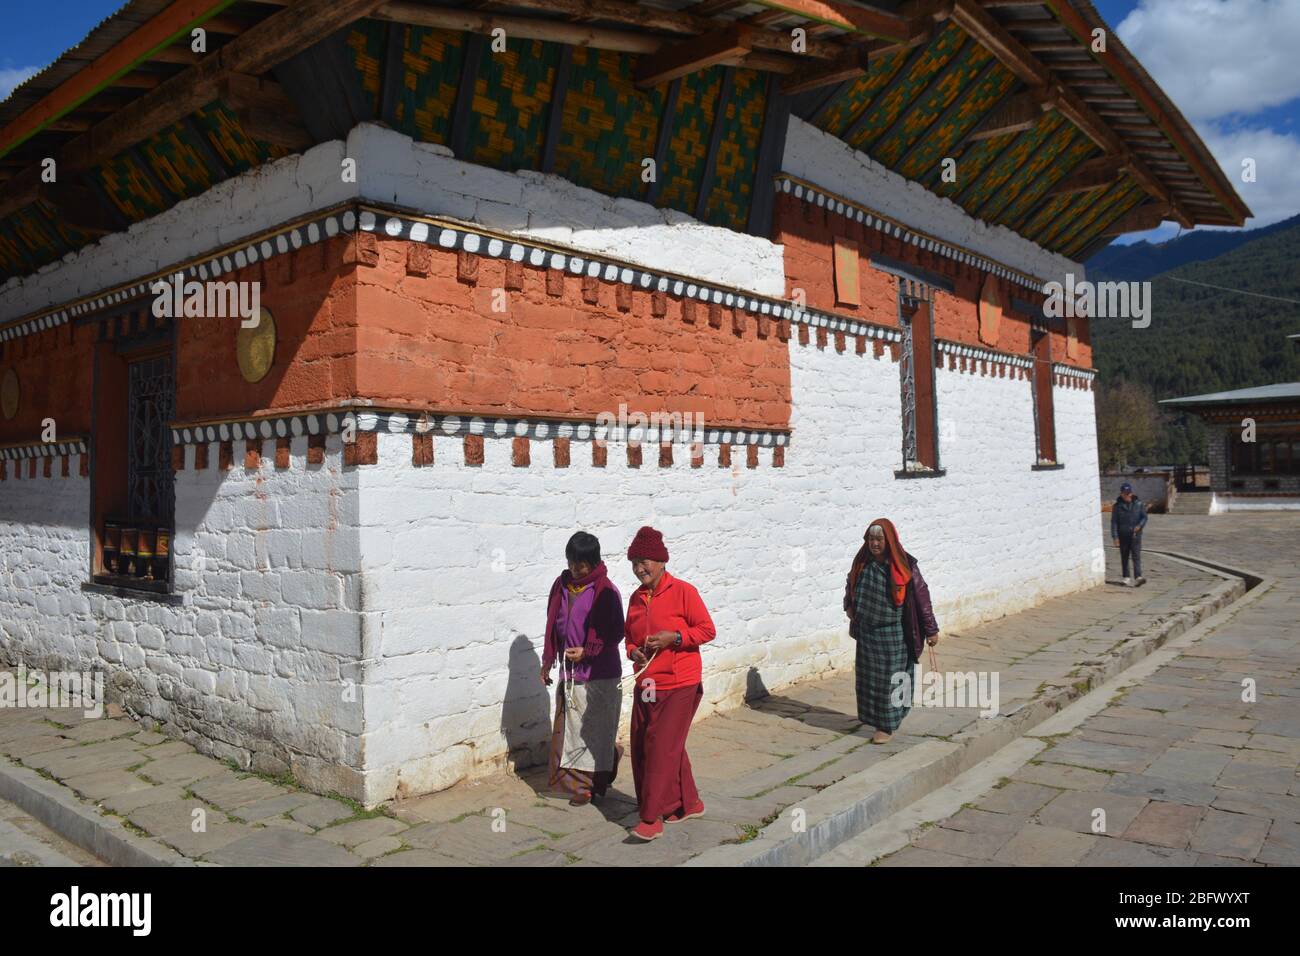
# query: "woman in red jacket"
x,y
666,624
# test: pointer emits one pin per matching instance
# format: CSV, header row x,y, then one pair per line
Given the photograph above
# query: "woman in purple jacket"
x,y
890,617
584,630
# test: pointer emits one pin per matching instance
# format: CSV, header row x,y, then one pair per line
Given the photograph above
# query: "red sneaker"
x,y
677,816
648,831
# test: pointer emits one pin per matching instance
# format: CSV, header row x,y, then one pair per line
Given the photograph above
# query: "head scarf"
x,y
900,570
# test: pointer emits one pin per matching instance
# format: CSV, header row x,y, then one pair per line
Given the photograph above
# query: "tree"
x,y
1128,423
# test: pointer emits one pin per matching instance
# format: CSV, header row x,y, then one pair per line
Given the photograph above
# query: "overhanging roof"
x,y
1063,146
1286,391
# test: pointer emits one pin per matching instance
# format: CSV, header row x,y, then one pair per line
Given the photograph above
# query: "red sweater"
x,y
675,606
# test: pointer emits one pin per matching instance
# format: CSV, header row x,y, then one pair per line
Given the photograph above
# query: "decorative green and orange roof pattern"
x,y
563,97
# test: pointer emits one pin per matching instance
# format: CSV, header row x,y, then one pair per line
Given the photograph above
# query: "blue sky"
x,y
1229,65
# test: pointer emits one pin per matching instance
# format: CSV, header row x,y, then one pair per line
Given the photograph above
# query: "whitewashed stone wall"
x,y
262,664
393,168
829,162
458,560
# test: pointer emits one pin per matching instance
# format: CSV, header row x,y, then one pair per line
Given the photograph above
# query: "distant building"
x,y
1251,467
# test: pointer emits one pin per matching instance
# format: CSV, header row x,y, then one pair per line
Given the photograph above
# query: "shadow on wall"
x,y
526,710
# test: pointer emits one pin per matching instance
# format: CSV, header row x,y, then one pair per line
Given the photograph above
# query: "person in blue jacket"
x,y
1127,519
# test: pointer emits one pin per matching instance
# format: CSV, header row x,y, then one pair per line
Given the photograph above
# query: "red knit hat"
x,y
648,543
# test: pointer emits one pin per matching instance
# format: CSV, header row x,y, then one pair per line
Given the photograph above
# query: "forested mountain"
x,y
1142,260
1206,339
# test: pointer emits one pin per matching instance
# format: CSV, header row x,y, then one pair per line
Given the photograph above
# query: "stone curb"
x,y
849,806
60,809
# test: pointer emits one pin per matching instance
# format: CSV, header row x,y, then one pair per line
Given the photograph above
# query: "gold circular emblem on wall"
x,y
255,347
9,394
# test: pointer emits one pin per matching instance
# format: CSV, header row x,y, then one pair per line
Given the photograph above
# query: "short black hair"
x,y
583,547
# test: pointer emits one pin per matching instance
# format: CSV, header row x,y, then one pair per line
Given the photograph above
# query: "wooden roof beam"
x,y
691,56
262,46
979,23
1016,113
686,22
849,65
1091,174
1139,219
1131,83
79,207
867,20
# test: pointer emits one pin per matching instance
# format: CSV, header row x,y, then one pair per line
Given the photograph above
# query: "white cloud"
x,y
10,78
1275,193
1217,58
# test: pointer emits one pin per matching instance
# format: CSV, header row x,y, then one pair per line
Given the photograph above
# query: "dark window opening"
x,y
916,371
134,498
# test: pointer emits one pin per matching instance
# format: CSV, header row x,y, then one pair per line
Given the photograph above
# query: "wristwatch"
x,y
678,642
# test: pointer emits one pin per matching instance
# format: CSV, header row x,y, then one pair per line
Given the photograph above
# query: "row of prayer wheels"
x,y
136,551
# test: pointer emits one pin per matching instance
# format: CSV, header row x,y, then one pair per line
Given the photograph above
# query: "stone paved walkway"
x,y
24,841
750,763
1186,772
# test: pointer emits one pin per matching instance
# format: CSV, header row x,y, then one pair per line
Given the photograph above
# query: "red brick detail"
x,y
952,362
63,466
31,467
665,455
803,334
877,348
474,451
938,359
83,468
4,470
839,342
778,456
590,290
623,297
283,266
282,453
315,449
362,250
48,469
697,454
715,315
466,267
783,330
421,449
201,456
688,311
515,275
634,454
821,337
751,456
178,457
724,456
658,304
520,455
860,344
253,454
364,450
895,351
738,321
562,452
419,259
764,326
554,282
599,455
